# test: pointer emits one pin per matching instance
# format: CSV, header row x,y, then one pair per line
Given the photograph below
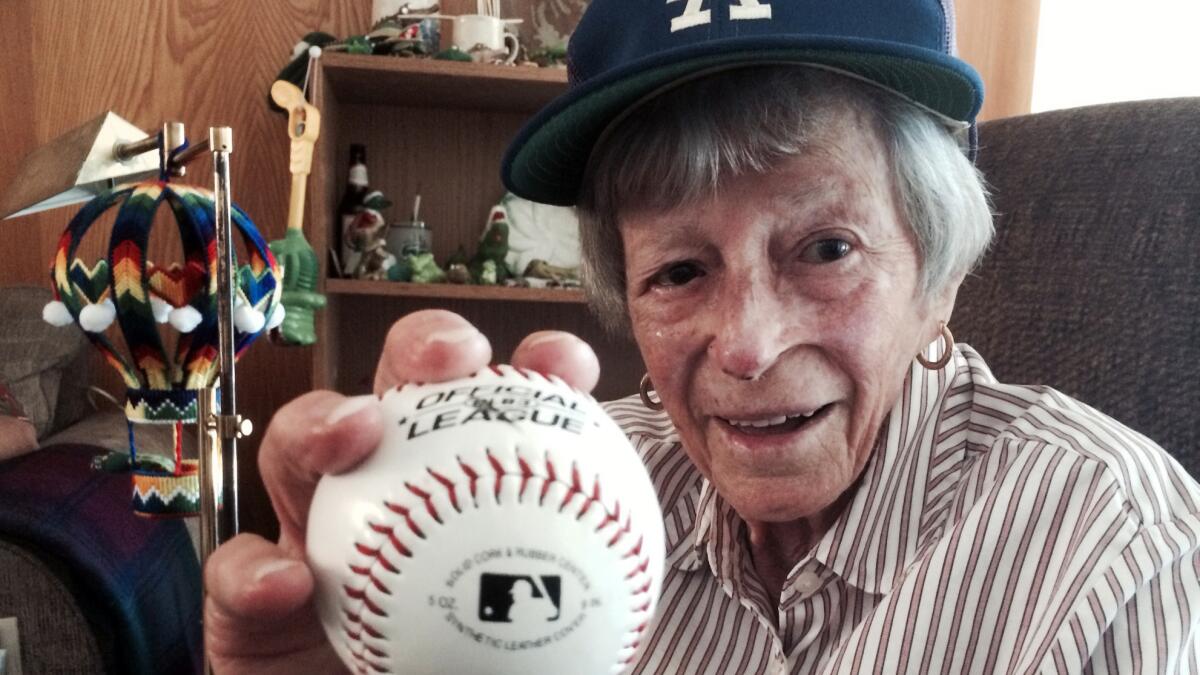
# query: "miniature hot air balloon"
x,y
167,314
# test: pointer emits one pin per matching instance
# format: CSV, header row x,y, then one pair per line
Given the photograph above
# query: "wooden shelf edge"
x,y
452,291
341,61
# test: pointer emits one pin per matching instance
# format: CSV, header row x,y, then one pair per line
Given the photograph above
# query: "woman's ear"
x,y
942,307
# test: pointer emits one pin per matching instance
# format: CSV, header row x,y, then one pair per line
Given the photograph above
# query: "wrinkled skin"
x,y
785,294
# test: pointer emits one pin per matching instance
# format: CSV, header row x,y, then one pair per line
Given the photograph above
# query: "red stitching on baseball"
x,y
472,475
449,485
376,651
637,549
428,501
550,480
499,469
613,517
374,608
526,474
391,535
412,525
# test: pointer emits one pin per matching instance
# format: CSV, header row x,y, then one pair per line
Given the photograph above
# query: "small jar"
x,y
409,237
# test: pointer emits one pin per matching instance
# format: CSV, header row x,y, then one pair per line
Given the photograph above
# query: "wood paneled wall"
x,y
202,62
1000,40
210,62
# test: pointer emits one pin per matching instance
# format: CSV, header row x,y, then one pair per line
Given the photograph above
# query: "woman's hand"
x,y
259,615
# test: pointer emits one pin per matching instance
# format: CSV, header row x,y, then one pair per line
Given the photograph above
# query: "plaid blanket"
x,y
144,573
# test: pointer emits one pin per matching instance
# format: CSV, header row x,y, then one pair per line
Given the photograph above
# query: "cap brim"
x,y
546,161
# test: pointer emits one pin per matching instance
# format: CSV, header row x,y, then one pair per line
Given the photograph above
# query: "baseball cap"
x,y
624,52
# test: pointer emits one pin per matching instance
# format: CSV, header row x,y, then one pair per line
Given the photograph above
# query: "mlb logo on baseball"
x,y
525,598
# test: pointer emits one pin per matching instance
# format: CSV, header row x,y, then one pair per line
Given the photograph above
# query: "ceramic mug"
x,y
471,30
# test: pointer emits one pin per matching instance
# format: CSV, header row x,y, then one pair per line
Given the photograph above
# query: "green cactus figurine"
x,y
295,254
300,299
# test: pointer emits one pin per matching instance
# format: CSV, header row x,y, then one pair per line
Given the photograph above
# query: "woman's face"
x,y
778,321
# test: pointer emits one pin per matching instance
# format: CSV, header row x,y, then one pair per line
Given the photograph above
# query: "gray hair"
x,y
680,144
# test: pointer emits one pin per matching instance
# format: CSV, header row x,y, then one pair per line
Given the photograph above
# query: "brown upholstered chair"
x,y
1093,283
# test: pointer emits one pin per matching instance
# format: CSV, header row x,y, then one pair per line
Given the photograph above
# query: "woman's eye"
x,y
826,250
678,274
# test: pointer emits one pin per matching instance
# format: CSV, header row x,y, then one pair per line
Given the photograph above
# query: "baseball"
x,y
504,525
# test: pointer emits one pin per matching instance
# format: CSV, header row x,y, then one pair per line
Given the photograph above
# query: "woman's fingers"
x,y
258,613
430,346
321,432
249,577
557,353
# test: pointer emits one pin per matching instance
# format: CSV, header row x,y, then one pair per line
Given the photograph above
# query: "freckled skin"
x,y
740,314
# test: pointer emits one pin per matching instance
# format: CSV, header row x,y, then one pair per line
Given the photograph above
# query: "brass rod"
x,y
124,152
221,144
187,156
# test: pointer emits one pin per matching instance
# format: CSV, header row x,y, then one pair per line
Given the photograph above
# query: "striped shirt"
x,y
995,529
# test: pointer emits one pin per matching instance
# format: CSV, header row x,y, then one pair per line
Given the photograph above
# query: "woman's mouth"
x,y
774,424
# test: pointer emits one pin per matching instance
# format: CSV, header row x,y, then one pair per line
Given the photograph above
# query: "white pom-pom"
x,y
97,317
161,309
314,52
248,320
56,314
276,317
185,319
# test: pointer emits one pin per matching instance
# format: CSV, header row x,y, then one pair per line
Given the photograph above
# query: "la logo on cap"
x,y
694,14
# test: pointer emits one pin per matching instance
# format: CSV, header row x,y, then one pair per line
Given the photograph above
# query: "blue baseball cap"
x,y
624,52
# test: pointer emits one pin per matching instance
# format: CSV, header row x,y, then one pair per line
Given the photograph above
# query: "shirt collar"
x,y
888,520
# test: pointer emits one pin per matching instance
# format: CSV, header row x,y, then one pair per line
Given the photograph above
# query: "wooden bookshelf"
x,y
439,128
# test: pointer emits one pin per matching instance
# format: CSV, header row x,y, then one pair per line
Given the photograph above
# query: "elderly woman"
x,y
845,489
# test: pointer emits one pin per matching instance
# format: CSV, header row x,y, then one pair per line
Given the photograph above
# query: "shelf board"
x,y
452,291
423,82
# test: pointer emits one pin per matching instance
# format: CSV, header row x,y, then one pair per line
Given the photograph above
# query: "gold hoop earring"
x,y
946,353
644,390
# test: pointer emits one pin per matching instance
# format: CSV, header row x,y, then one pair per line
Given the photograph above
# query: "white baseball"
x,y
504,525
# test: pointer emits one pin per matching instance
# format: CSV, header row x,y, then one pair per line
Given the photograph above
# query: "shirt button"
x,y
807,583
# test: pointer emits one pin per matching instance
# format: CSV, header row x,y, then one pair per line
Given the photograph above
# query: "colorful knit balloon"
x,y
147,298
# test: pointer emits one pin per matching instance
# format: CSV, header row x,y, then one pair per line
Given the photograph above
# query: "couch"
x,y
1092,285
94,588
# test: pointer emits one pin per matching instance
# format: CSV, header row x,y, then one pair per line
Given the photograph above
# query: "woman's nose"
x,y
749,335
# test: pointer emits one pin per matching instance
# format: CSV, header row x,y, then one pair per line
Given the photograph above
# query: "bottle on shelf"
x,y
350,206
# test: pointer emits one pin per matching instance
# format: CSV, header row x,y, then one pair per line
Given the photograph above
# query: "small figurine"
x,y
425,269
493,246
487,273
366,237
456,268
567,277
550,57
453,54
401,271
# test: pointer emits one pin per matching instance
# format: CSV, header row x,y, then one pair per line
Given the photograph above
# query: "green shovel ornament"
x,y
294,253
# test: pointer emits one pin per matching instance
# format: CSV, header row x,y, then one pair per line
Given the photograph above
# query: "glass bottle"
x,y
350,206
